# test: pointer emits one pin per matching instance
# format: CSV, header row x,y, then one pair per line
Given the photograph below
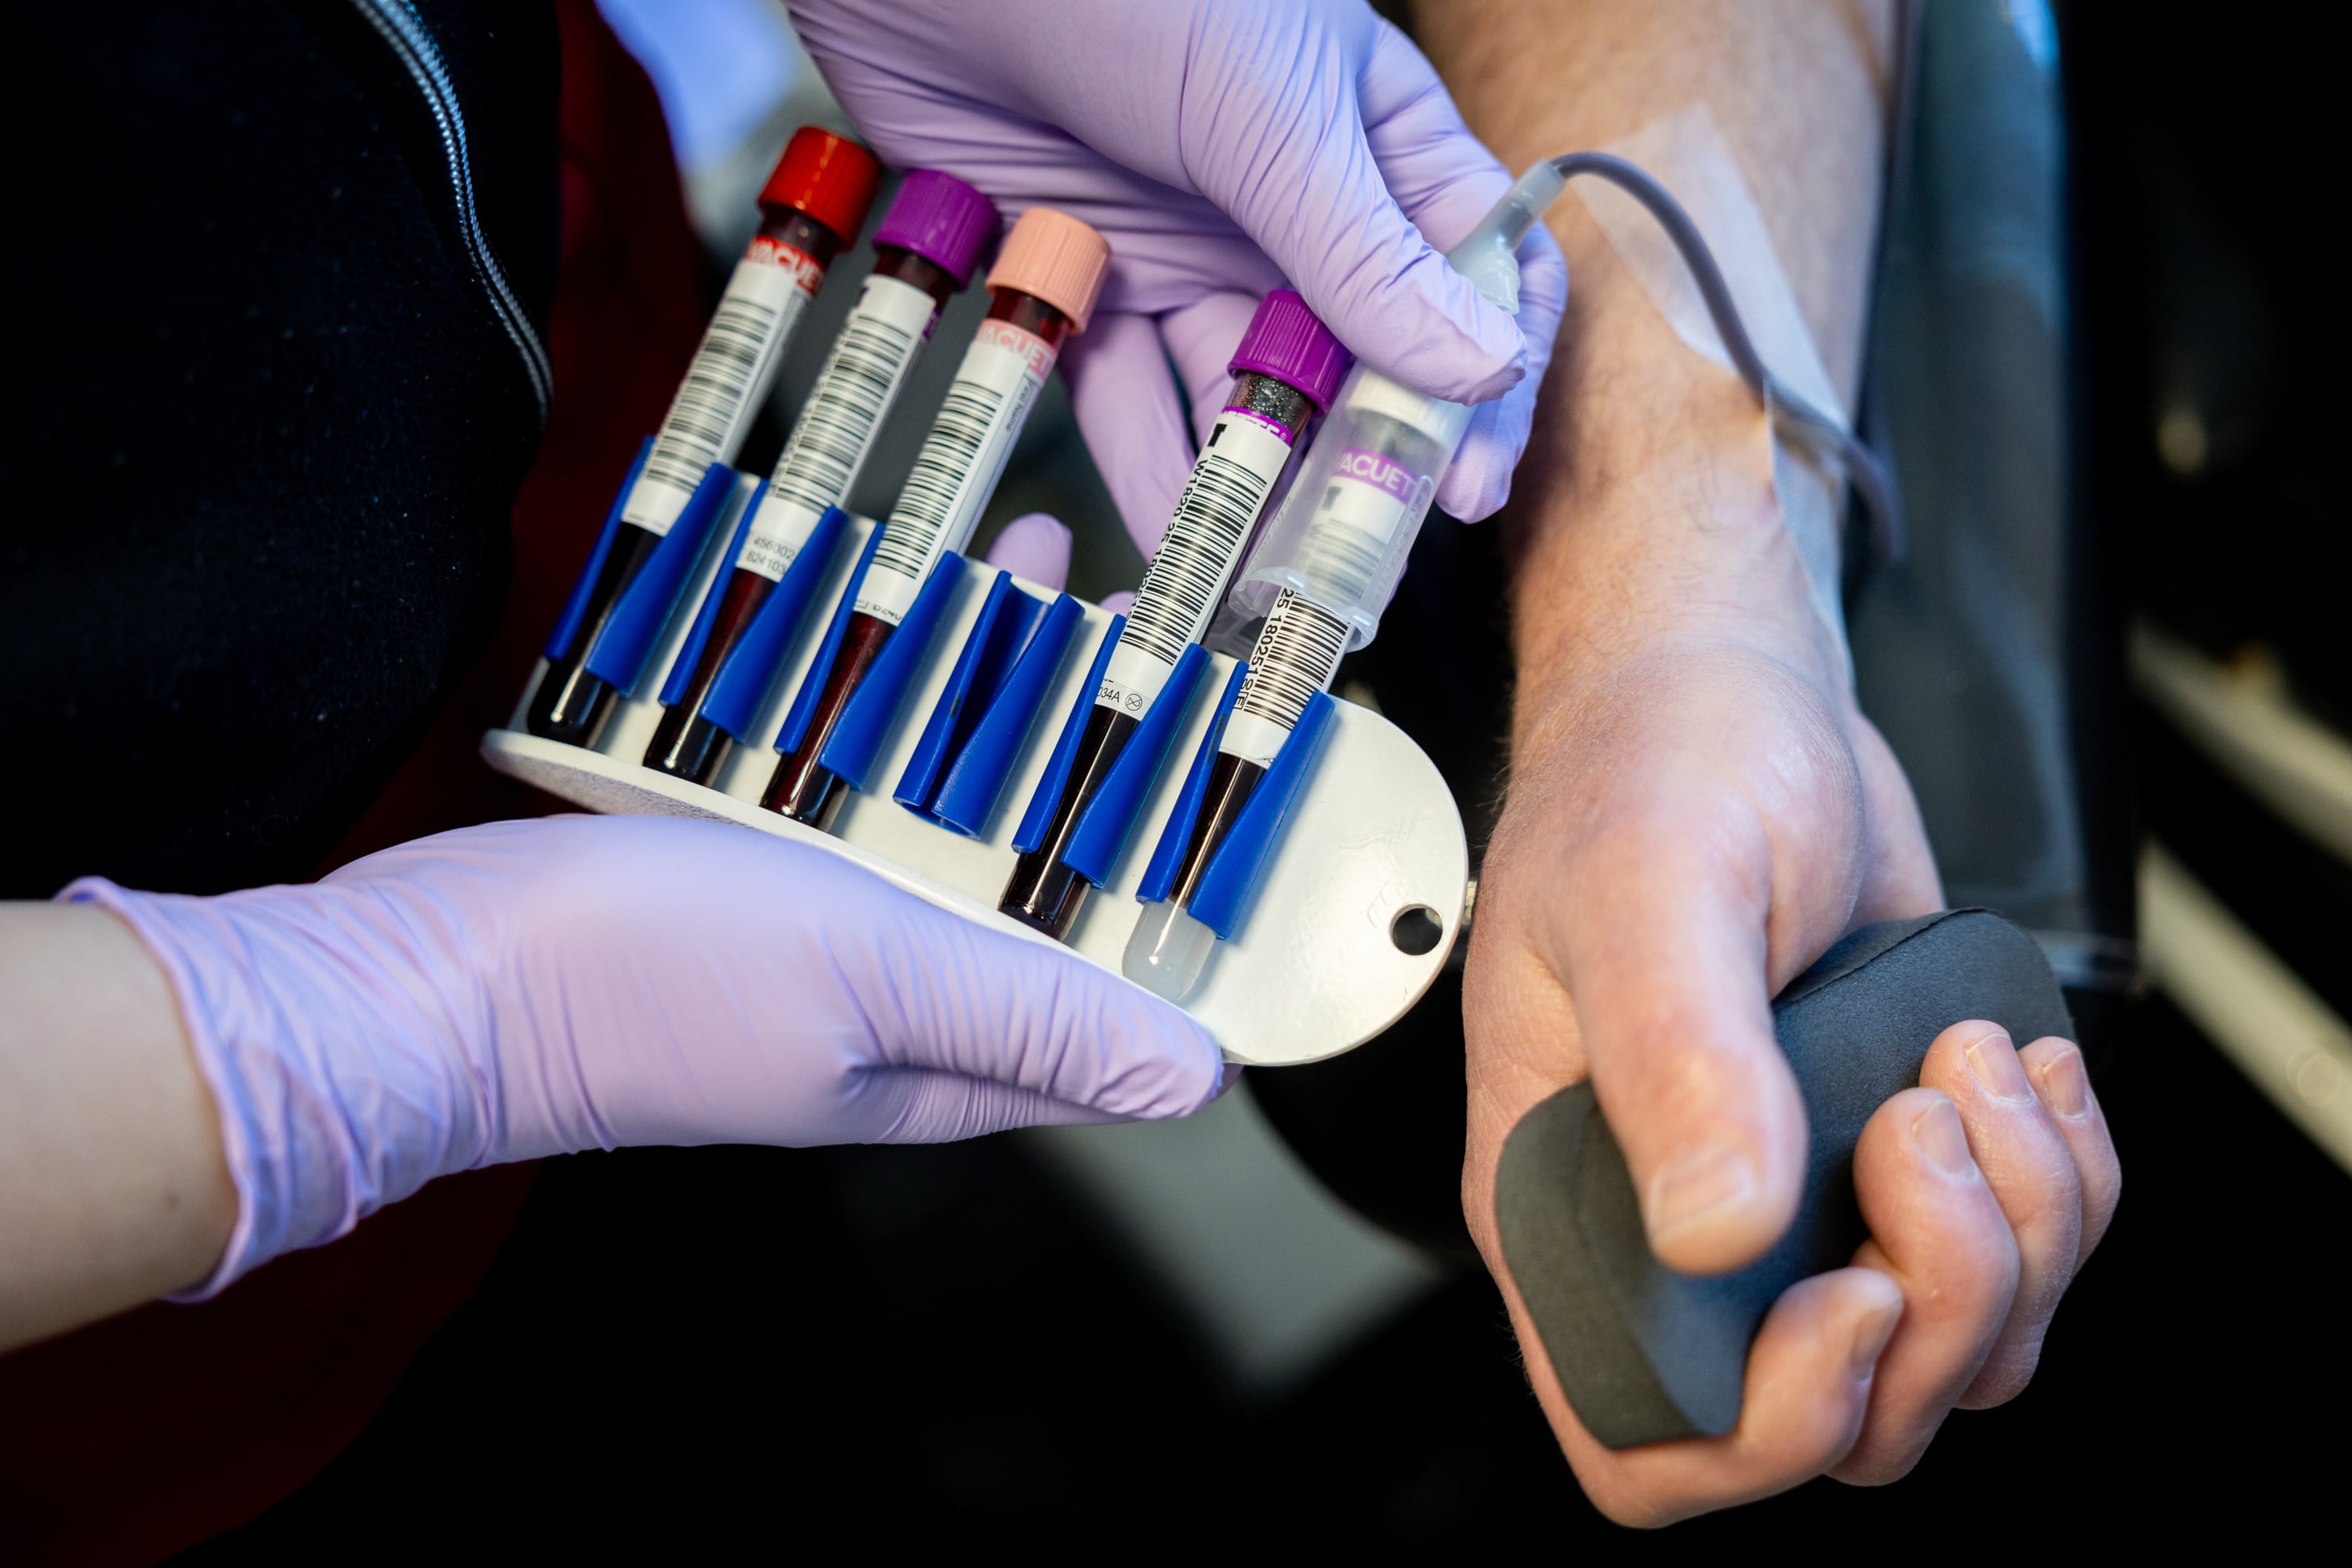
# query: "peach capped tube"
x,y
1044,287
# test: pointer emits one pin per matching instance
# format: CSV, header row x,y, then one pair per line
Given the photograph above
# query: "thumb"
x,y
1664,950
1288,159
1033,545
946,996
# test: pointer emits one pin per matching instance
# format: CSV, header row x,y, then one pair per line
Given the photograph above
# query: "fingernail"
x,y
1697,1187
2065,1087
1870,1334
1998,1072
1943,1139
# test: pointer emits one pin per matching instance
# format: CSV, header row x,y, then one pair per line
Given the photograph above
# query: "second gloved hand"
x,y
1224,147
529,988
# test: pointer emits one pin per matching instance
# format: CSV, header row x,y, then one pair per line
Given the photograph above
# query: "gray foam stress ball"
x,y
1645,1354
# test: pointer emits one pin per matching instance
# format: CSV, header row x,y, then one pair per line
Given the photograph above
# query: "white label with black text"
x,y
1221,502
1295,656
733,369
959,466
853,393
1365,501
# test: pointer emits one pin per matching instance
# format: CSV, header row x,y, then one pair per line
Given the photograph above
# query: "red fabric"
x,y
133,1438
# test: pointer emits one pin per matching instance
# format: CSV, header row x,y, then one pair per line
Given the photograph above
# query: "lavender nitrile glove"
x,y
530,988
1224,147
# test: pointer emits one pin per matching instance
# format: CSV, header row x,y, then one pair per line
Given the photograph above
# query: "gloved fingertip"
x,y
1191,1073
1036,546
1478,481
1119,604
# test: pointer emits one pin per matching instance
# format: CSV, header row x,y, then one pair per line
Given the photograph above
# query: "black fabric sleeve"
x,y
263,419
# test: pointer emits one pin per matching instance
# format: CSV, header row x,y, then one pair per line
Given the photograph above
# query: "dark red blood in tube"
x,y
799,787
815,200
685,745
1042,892
1231,781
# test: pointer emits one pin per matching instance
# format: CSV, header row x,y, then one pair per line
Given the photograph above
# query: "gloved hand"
x,y
529,988
1224,147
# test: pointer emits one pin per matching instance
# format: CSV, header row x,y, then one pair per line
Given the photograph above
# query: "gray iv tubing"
x,y
1790,414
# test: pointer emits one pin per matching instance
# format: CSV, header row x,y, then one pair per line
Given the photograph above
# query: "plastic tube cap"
x,y
829,177
1287,342
1053,256
941,219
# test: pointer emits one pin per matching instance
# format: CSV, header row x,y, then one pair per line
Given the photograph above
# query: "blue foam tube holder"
x,y
984,765
1160,875
865,720
1109,820
681,668
1231,881
626,644
1040,815
741,688
567,625
804,709
1005,618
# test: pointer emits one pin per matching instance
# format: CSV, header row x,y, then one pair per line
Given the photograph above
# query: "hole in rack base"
x,y
1416,930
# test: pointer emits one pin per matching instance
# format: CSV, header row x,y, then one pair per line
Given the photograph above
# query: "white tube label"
x,y
728,380
1221,501
1365,501
860,380
1295,656
957,468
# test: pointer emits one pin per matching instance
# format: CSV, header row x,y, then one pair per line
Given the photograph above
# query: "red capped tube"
x,y
814,204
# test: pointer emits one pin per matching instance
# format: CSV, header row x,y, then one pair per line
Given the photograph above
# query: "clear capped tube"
x,y
1343,535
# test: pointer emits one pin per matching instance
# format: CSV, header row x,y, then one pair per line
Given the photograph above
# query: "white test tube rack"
x,y
1372,850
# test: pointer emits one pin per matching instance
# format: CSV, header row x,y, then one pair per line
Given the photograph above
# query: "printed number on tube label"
x,y
766,295
1222,500
860,380
958,467
1366,499
1295,656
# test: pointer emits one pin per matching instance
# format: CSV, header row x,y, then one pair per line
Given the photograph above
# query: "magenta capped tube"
x,y
1287,368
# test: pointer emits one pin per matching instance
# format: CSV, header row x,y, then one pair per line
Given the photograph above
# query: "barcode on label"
x,y
936,483
820,461
1219,504
1295,656
703,418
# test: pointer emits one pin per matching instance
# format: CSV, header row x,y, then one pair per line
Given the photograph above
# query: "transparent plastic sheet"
x,y
1688,155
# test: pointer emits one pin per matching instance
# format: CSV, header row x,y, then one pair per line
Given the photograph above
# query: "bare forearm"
x,y
113,1189
1647,490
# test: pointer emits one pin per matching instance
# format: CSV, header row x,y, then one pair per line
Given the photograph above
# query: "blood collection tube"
x,y
1045,284
813,204
924,252
1287,368
1323,569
